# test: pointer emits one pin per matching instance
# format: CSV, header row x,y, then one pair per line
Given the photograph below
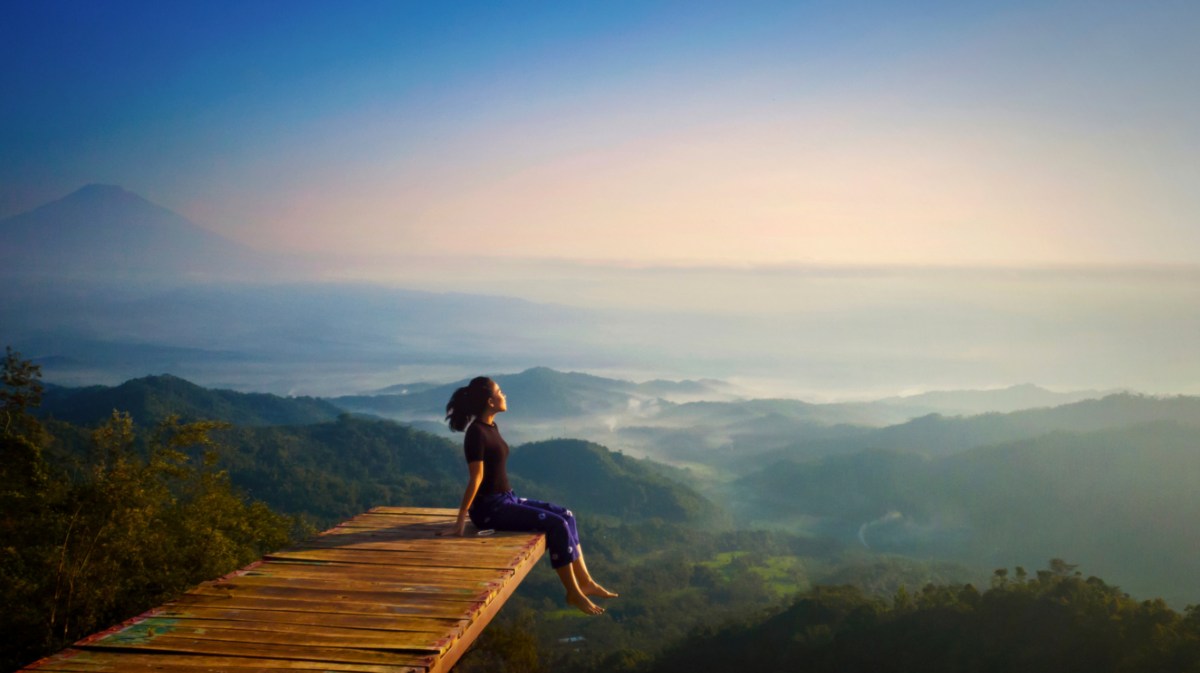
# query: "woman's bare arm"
x,y
474,479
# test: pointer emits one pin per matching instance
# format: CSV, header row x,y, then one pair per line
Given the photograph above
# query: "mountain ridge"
x,y
150,399
936,434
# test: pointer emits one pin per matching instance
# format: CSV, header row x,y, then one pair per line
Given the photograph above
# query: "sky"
x,y
879,196
679,134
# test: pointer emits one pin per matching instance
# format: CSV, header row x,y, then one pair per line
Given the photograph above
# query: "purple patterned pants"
x,y
505,511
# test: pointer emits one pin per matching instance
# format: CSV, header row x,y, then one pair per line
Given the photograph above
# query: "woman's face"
x,y
498,402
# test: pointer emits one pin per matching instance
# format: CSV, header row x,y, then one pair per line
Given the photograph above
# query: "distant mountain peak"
x,y
102,196
100,189
96,204
159,379
107,232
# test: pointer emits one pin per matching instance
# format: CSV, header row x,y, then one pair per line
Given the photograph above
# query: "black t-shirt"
x,y
483,442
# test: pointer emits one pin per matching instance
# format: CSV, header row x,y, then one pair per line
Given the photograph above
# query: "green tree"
x,y
26,497
506,646
1059,621
22,440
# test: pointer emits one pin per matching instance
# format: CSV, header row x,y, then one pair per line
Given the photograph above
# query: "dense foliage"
x,y
128,526
1056,621
334,470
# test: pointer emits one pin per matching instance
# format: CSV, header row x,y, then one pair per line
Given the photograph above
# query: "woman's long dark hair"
x,y
468,402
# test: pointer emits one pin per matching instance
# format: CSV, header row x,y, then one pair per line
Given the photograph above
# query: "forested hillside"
x,y
604,483
911,533
1121,501
1057,620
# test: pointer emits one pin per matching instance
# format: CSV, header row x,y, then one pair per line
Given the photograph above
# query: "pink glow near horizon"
x,y
824,190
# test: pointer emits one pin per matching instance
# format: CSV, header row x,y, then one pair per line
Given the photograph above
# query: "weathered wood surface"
x,y
380,593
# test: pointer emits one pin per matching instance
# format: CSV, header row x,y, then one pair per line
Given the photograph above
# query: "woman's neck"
x,y
486,418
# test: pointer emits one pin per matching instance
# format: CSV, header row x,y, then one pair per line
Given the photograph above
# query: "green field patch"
x,y
785,575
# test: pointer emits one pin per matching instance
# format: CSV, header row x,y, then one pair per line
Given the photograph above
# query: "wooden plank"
x,y
163,623
135,662
398,549
444,609
345,655
498,552
329,591
395,521
417,538
428,536
415,511
369,573
391,638
458,545
394,559
383,583
428,625
338,594
150,631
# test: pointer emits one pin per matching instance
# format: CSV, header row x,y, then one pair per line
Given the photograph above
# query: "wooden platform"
x,y
378,593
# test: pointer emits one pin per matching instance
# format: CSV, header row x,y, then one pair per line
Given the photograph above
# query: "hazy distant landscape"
x,y
102,286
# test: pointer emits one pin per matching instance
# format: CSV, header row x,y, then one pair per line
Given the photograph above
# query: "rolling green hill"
x,y
336,469
592,479
151,399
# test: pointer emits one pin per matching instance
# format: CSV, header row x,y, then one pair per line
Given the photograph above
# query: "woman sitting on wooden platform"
x,y
490,502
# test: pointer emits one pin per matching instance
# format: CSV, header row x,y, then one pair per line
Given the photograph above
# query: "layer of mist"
x,y
102,286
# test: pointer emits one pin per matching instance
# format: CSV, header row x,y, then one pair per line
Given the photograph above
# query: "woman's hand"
x,y
458,528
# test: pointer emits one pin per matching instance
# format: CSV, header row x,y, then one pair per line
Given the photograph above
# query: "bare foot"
x,y
593,589
585,606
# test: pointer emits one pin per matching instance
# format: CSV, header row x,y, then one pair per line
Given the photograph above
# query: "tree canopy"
x,y
120,530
